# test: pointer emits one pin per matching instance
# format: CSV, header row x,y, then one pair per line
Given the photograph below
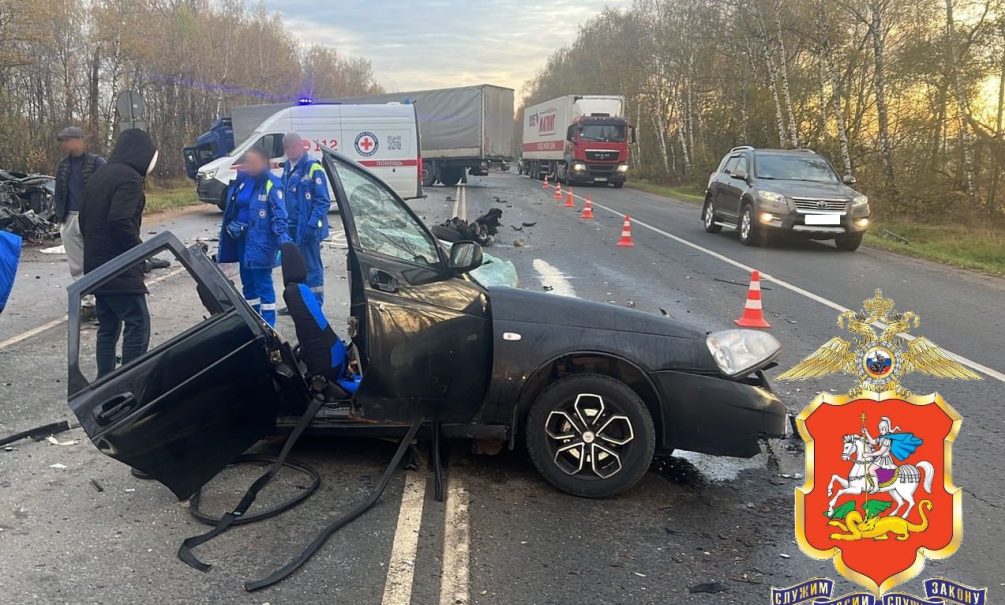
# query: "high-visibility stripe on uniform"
x,y
314,168
318,289
254,302
269,307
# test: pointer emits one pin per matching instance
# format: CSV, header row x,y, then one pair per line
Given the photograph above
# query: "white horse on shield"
x,y
901,486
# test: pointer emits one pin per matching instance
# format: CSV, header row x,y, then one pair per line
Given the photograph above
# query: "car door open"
x,y
189,406
425,334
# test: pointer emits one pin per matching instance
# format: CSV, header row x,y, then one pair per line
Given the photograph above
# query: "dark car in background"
x,y
795,193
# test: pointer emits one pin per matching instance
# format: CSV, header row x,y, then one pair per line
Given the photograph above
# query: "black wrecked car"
x,y
592,390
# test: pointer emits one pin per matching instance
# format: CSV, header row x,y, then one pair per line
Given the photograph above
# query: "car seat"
x,y
321,350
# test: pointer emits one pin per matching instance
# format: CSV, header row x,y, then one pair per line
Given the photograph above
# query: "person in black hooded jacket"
x,y
110,223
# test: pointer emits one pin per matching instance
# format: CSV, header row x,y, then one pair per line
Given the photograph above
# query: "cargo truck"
x,y
463,130
577,139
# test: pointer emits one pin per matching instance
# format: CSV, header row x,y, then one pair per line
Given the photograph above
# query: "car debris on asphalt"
x,y
26,205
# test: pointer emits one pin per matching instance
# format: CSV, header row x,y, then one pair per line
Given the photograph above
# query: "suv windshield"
x,y
795,168
603,132
383,225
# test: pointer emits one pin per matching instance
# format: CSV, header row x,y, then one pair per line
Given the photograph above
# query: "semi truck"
x,y
577,139
462,130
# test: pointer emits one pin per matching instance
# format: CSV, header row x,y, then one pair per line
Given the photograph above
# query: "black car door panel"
x,y
187,408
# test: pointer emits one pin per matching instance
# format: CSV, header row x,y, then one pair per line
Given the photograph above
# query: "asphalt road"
x,y
503,535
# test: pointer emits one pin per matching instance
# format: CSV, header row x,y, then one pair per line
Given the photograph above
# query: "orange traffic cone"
x,y
587,209
753,314
570,202
626,234
558,192
545,184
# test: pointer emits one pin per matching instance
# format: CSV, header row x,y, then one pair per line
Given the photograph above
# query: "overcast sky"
x,y
421,44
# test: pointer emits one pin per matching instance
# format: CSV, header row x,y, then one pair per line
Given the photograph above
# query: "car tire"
x,y
222,204
428,174
451,176
619,447
708,217
849,243
618,185
750,233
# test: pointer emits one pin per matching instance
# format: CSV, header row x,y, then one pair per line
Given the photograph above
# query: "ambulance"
x,y
384,138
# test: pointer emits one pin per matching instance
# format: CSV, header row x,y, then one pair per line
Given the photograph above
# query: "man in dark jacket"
x,y
72,175
110,222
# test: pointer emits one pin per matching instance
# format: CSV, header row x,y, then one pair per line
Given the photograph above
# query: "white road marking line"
x,y
464,203
401,567
553,276
990,372
456,555
13,340
457,202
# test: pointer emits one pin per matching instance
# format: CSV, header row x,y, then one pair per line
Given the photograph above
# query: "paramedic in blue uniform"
x,y
254,227
307,203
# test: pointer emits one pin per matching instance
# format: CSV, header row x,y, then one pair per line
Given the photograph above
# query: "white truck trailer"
x,y
577,139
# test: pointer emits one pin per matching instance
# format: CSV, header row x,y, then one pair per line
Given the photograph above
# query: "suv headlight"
x,y
772,198
740,352
859,200
208,174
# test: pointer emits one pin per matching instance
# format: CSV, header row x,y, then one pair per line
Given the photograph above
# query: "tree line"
x,y
905,95
64,62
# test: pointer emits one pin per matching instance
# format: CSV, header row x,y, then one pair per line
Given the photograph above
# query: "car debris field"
x,y
77,527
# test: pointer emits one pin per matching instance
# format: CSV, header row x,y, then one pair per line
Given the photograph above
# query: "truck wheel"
x,y
590,435
451,176
750,233
849,243
618,184
428,174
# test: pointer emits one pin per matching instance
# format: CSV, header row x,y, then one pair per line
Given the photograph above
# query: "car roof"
x,y
791,152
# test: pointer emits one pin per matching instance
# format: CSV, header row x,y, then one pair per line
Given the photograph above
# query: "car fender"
x,y
579,361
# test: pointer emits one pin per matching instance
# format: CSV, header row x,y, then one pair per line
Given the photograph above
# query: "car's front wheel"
x,y
849,243
590,435
708,217
750,233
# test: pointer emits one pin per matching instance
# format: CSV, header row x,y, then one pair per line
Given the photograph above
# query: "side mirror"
x,y
849,179
465,256
739,174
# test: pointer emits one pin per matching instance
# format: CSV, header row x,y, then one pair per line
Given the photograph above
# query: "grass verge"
x,y
972,247
162,197
684,193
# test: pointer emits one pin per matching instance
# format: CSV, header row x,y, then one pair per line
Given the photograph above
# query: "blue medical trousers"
x,y
311,250
258,290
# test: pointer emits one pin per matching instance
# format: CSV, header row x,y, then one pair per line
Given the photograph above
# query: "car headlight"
x,y
772,198
208,174
739,352
623,168
579,167
859,200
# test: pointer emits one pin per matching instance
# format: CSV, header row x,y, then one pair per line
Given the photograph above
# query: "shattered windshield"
x,y
603,132
382,224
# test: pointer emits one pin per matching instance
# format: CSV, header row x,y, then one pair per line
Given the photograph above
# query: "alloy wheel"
x,y
709,215
589,437
745,225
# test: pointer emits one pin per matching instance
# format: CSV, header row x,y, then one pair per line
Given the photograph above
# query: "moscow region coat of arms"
x,y
879,496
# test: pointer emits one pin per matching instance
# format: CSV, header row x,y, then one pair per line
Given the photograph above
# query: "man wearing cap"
x,y
307,203
72,175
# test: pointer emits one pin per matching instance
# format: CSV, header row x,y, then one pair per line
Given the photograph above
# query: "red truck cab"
x,y
596,150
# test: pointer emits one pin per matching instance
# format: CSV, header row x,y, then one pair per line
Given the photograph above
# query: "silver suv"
x,y
764,192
